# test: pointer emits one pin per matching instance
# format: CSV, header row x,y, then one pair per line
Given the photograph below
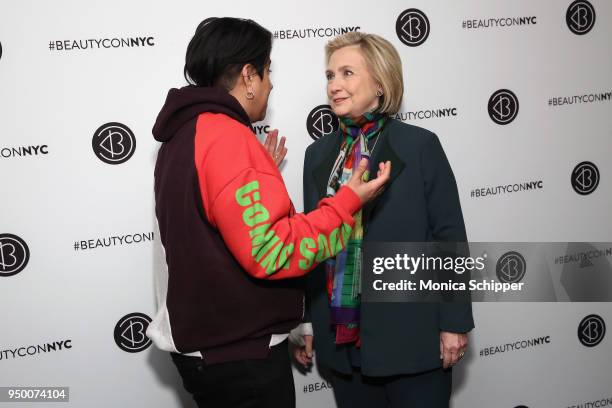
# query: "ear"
x,y
247,73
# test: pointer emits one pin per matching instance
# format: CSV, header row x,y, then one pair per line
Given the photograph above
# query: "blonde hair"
x,y
382,60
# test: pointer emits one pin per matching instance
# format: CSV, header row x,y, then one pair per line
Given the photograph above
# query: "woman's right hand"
x,y
367,191
303,354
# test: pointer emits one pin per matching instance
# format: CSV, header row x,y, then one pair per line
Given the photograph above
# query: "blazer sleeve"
x,y
445,223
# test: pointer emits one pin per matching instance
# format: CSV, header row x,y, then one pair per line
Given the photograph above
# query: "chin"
x,y
340,110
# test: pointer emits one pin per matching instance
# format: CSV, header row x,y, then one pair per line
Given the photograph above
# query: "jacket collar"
x,y
330,146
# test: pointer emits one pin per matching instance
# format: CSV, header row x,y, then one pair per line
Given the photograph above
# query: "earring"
x,y
250,95
379,92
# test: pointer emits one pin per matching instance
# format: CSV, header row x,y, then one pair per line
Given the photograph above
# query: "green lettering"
x,y
346,233
269,245
268,264
305,246
323,251
284,256
259,235
335,243
255,214
241,194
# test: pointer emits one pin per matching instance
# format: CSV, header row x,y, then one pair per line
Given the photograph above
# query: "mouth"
x,y
338,101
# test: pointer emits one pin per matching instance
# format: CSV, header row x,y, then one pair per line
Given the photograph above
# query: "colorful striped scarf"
x,y
344,271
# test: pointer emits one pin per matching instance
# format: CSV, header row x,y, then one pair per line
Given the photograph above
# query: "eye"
x,y
329,76
348,72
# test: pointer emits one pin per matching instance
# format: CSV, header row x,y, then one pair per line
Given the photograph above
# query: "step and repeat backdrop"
x,y
519,93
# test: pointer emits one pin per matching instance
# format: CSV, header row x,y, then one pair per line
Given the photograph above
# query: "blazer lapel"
x,y
382,153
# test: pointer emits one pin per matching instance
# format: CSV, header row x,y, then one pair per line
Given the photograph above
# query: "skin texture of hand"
x,y
303,354
276,150
367,191
451,347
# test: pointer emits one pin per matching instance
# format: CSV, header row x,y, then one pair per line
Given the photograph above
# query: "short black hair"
x,y
221,46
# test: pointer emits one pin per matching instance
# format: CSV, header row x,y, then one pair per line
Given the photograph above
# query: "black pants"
x,y
240,384
431,389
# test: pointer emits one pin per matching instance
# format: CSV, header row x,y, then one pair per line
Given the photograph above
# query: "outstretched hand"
x,y
367,191
276,150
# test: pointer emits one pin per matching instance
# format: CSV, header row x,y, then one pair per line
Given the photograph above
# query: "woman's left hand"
x,y
452,347
276,150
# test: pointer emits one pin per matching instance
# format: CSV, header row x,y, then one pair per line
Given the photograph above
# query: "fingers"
x,y
361,168
300,355
280,152
270,142
383,174
272,137
308,345
276,150
452,348
281,145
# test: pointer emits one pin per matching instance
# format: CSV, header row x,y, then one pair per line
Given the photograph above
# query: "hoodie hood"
x,y
184,104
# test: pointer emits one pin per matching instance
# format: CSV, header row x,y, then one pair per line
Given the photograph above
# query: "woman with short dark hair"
x,y
231,235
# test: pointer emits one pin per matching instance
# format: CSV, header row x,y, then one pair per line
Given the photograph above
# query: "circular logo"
x,y
113,143
503,106
412,27
591,330
585,178
130,332
321,121
14,254
580,17
511,267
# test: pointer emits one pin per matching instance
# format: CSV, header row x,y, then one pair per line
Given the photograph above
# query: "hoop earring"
x,y
250,95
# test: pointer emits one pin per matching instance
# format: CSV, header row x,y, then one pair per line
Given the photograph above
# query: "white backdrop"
x,y
59,198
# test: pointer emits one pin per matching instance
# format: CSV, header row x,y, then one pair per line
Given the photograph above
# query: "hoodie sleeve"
x,y
245,198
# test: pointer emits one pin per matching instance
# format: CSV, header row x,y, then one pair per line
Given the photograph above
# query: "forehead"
x,y
350,55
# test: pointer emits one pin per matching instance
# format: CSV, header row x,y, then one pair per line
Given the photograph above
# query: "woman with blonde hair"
x,y
381,354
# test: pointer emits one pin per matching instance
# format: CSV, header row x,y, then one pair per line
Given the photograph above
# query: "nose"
x,y
333,86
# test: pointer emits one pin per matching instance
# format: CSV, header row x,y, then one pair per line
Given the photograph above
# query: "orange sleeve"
x,y
246,200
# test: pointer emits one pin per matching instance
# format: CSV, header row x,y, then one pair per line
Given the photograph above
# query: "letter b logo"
x,y
412,27
503,106
14,254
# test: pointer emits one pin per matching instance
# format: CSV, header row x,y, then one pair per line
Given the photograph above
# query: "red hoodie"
x,y
225,218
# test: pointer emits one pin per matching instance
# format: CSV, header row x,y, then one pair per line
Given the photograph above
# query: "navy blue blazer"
x,y
419,204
